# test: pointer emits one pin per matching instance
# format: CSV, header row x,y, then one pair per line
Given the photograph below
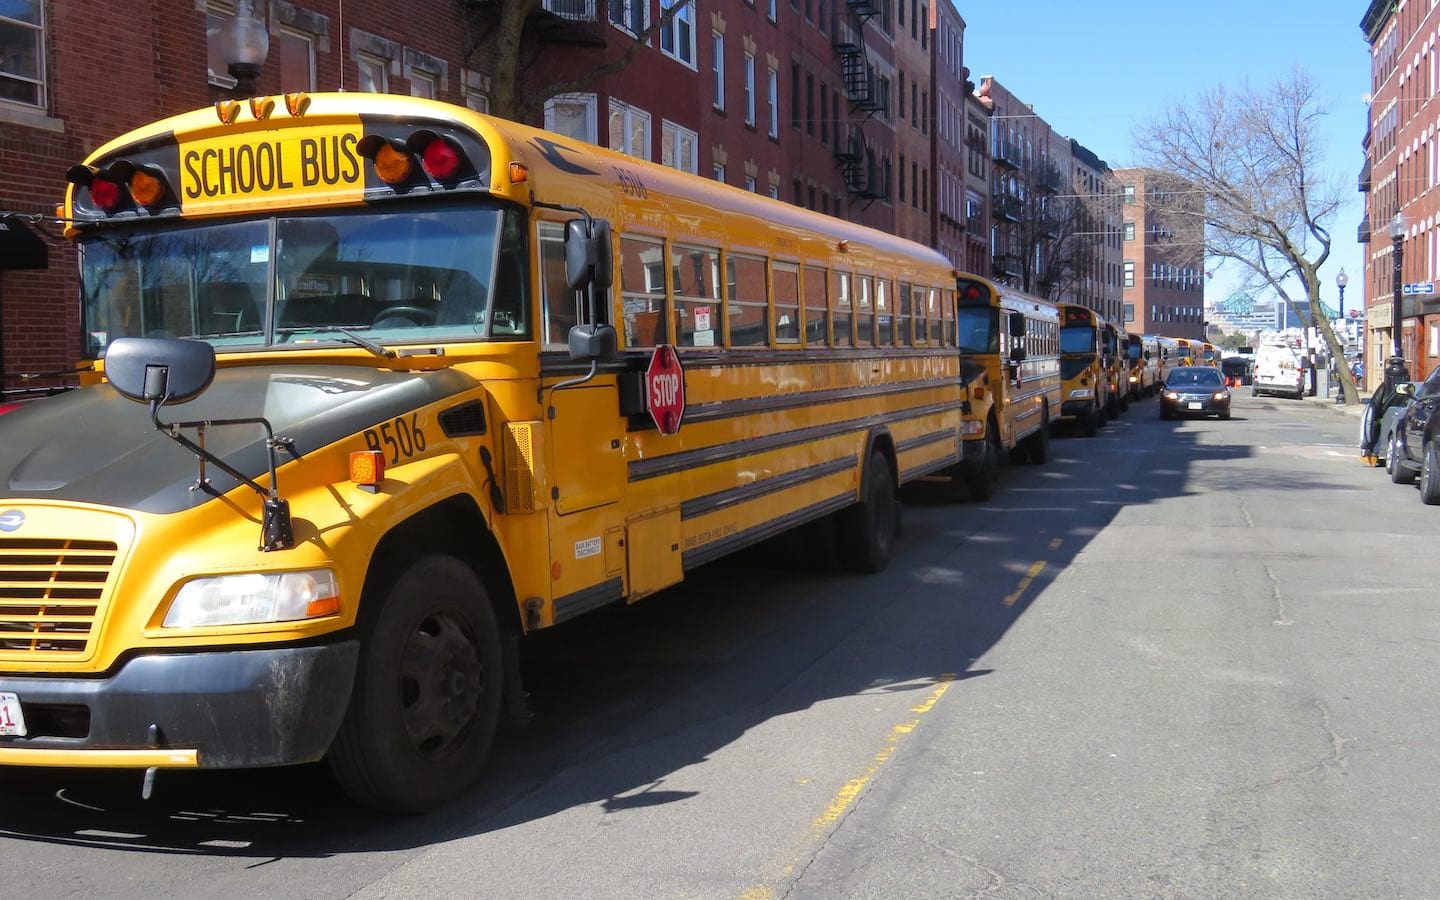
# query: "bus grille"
x,y
50,593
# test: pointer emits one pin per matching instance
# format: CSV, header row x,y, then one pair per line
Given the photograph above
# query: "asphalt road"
x,y
1191,659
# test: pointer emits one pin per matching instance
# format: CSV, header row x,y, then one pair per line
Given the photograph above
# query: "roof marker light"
x,y
297,103
262,107
228,111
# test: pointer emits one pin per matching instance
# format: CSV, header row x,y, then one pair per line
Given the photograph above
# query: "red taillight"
x,y
440,159
106,194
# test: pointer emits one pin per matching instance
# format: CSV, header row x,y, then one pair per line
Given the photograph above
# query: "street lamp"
x,y
1340,281
244,42
1397,237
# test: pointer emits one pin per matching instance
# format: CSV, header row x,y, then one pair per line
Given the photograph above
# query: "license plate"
x,y
1195,405
12,720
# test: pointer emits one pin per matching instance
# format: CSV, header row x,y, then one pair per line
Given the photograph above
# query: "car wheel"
x,y
1430,474
1395,462
1225,414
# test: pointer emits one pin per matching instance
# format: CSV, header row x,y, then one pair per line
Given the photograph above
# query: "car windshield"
x,y
1199,377
417,274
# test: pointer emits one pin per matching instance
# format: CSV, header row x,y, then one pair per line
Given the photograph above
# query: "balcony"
x,y
1005,265
1050,180
572,22
1362,234
1365,177
1007,154
1006,207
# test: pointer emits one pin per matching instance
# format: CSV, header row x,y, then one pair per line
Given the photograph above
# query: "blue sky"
x,y
1095,70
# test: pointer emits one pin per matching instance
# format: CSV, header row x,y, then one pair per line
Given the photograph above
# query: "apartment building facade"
x,y
1162,262
1398,177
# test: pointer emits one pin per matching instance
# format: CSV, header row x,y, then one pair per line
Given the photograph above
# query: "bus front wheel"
x,y
982,477
868,528
426,701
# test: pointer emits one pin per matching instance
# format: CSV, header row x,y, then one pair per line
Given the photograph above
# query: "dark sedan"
x,y
1194,391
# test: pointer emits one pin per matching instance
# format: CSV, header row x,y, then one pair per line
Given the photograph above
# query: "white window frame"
x,y
591,109
630,116
309,39
750,184
362,60
421,80
672,136
677,35
717,67
628,9
750,89
718,172
773,97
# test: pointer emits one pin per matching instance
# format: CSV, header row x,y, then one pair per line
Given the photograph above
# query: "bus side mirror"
x,y
21,247
593,342
588,254
159,370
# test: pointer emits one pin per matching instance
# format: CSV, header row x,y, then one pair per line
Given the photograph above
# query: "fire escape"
x,y
852,151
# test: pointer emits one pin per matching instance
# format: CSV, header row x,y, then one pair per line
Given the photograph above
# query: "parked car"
x,y
1194,391
1279,369
1390,420
1414,449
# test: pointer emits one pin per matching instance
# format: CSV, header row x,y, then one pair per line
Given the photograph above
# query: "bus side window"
x,y
563,308
749,319
864,318
935,329
947,309
813,287
785,279
844,333
642,291
695,274
904,311
884,313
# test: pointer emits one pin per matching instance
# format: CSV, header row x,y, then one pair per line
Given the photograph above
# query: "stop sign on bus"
x,y
665,389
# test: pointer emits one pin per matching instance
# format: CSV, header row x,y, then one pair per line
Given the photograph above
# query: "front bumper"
x,y
1208,406
233,709
1078,409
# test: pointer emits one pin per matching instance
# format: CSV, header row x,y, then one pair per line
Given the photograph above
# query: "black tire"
x,y
1090,424
868,528
982,478
1225,414
1395,462
426,701
1430,474
1164,412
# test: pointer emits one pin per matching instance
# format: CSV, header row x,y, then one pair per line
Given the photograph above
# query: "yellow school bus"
x,y
1084,367
1188,352
1209,355
379,385
1142,353
1009,344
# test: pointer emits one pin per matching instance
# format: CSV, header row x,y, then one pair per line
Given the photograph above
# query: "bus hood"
x,y
94,446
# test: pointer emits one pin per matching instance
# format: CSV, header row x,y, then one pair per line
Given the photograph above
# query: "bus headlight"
x,y
1082,394
253,598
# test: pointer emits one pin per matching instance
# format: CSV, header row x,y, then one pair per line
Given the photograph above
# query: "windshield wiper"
x,y
348,337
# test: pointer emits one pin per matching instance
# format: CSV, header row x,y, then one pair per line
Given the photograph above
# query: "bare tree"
x,y
1257,159
512,34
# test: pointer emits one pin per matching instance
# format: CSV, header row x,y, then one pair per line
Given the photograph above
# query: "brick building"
x,y
1162,266
1399,175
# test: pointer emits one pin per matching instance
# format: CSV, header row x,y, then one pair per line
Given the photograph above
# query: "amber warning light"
x,y
367,468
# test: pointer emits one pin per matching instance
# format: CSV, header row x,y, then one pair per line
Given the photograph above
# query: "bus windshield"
x,y
1077,339
450,273
978,331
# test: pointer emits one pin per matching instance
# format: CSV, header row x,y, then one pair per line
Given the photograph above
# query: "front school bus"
x,y
364,409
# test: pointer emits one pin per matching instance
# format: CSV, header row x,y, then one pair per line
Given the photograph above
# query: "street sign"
x,y
1418,287
665,389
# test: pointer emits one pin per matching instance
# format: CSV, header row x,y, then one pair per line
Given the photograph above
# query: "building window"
x,y
718,173
677,36
749,89
427,74
809,103
1129,231
297,61
717,67
630,15
795,96
901,109
374,73
1129,193
678,147
572,115
1129,273
475,88
22,58
750,183
774,192
629,129
774,98
770,12
1129,312
422,85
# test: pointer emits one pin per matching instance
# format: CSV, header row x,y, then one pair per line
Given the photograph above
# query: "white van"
x,y
1279,369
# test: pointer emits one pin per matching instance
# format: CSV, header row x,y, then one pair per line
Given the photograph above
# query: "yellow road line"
x,y
845,798
1056,542
1035,569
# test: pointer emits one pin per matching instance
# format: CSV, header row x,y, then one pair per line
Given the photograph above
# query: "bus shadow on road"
x,y
629,696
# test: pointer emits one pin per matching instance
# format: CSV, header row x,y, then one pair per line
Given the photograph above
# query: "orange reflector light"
x,y
367,467
518,173
325,606
262,107
393,166
296,103
146,188
227,111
